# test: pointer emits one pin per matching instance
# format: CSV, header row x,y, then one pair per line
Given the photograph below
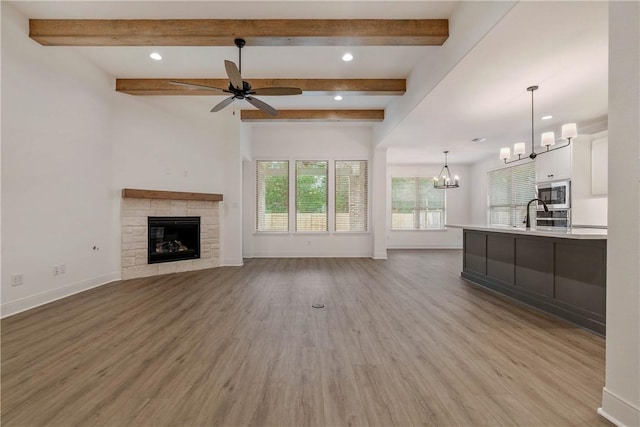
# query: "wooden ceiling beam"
x,y
256,32
380,87
314,116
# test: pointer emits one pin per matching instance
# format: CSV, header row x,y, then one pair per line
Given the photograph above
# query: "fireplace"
x,y
138,206
173,238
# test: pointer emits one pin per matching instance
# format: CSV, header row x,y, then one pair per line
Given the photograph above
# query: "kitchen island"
x,y
560,272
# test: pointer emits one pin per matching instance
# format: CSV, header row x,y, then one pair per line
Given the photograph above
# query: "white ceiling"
x,y
560,46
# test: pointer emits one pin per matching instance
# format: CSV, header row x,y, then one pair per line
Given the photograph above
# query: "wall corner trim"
x,y
232,262
617,410
380,255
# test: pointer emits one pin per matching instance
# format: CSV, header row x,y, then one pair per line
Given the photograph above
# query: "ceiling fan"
x,y
240,89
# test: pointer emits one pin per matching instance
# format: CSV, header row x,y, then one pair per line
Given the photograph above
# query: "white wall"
x,y
246,134
231,221
158,149
457,209
56,170
585,208
309,141
379,202
621,394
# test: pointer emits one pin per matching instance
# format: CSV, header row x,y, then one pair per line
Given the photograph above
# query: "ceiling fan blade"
x,y
233,73
271,91
222,104
197,86
262,106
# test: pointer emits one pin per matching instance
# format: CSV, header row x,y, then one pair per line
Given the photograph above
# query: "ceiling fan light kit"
x,y
240,89
547,139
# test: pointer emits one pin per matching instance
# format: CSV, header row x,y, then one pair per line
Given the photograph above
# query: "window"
x,y
416,205
510,189
351,195
311,195
272,196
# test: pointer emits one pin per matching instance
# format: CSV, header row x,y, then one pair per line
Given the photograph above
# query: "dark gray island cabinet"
x,y
561,273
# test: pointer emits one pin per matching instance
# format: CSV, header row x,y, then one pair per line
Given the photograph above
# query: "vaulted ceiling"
x,y
456,91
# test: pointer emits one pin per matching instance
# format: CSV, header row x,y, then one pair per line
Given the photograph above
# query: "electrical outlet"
x,y
63,268
56,270
17,279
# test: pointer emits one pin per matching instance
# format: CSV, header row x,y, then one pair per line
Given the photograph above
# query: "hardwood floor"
x,y
400,342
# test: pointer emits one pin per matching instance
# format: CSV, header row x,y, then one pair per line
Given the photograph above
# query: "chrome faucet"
x,y
527,221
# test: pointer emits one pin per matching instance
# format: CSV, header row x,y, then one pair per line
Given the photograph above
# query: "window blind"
x,y
311,195
351,195
272,195
510,189
416,205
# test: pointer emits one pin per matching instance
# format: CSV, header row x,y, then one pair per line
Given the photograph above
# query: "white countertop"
x,y
565,233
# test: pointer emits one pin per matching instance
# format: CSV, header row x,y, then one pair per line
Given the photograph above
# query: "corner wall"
x,y
621,394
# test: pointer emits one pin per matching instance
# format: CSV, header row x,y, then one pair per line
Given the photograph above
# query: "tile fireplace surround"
x,y
138,205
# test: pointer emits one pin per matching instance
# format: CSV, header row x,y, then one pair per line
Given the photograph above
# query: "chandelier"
x,y
443,180
548,139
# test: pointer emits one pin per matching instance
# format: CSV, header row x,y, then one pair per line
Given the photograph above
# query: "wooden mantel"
x,y
169,195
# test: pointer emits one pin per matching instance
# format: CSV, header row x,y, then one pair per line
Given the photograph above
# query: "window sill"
x,y
312,233
420,230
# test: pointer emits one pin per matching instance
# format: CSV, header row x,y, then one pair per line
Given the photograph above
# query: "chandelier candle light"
x,y
547,139
443,180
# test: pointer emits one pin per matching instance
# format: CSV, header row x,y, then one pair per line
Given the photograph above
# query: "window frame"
x,y
416,219
255,198
513,207
367,197
295,200
330,189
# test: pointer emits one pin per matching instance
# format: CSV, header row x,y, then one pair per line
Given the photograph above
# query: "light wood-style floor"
x,y
400,342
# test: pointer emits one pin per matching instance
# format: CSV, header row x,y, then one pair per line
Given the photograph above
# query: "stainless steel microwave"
x,y
556,195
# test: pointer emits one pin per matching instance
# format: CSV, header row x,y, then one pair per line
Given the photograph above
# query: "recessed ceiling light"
x,y
156,56
347,57
338,97
547,117
478,139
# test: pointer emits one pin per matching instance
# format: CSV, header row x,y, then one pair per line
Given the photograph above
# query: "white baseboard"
x,y
424,247
27,303
298,255
618,411
232,262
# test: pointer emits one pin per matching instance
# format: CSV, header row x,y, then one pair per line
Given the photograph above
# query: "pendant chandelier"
x,y
548,139
443,180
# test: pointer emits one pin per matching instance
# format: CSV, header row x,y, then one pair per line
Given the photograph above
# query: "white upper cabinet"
x,y
554,165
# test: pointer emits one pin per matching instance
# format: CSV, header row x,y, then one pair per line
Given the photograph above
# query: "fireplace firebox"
x,y
173,238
